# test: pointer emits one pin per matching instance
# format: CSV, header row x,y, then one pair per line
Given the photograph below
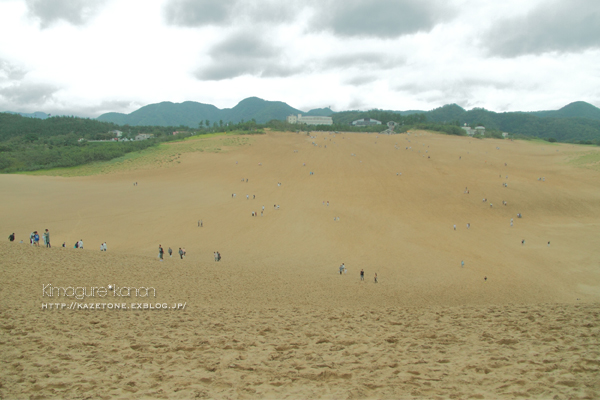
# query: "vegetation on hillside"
x,y
28,144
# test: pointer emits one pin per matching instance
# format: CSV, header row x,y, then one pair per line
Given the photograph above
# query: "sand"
x,y
274,318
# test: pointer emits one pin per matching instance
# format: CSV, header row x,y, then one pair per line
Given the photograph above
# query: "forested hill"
x,y
578,109
194,115
575,122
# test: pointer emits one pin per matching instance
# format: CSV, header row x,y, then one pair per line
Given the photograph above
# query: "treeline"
x,y
29,144
567,129
346,117
36,157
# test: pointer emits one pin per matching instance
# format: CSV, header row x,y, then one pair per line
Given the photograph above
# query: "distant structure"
x,y
116,133
309,120
391,126
365,122
480,130
504,134
144,136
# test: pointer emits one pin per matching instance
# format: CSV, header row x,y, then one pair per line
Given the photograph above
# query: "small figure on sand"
x,y
376,281
362,274
47,239
342,268
161,252
170,252
11,237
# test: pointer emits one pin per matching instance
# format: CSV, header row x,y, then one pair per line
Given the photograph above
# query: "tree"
x,y
221,122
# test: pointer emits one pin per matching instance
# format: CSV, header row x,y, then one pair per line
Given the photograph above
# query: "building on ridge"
x,y
309,120
366,122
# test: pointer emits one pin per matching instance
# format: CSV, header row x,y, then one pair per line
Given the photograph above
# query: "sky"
x,y
88,57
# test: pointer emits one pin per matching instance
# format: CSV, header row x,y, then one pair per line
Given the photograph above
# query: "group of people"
x,y
344,270
161,252
34,238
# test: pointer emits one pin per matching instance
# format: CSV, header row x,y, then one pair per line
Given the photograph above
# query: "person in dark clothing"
x,y
11,237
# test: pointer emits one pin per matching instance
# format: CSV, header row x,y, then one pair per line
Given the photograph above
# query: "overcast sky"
x,y
87,57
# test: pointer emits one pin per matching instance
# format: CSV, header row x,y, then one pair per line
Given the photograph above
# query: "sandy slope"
x,y
274,318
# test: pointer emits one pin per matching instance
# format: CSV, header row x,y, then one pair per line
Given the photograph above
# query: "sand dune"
x,y
274,318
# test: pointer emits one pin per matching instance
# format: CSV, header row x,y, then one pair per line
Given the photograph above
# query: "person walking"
x,y
80,244
376,281
218,256
36,239
161,252
215,254
170,252
11,237
342,268
180,253
462,263
362,274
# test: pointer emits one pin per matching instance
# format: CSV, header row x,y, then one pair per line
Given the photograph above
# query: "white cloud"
x,y
89,57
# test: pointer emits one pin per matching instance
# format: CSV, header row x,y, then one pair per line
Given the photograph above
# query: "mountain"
x,y
191,113
38,114
320,112
575,122
258,109
578,109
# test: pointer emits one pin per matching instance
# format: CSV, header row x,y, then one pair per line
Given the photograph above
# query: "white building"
x,y
309,120
116,133
366,122
144,136
480,130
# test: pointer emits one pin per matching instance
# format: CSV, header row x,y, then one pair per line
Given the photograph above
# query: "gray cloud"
x,y
460,91
243,54
27,94
364,60
197,13
11,72
562,26
361,80
76,12
380,18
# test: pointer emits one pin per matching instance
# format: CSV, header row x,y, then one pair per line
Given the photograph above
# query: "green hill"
x,y
578,109
191,113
